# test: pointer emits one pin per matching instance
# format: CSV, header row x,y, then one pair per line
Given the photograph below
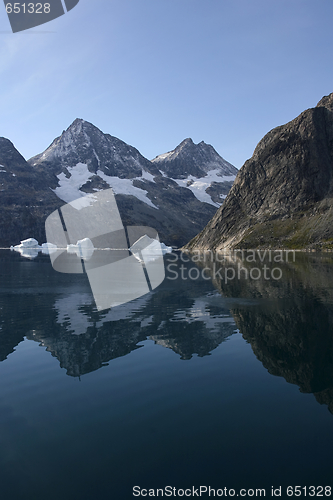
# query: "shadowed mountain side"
x,y
25,200
176,222
282,196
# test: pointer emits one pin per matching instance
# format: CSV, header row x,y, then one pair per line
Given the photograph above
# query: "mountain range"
x,y
177,193
283,195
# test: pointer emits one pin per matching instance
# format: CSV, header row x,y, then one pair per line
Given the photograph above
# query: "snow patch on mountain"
x,y
69,187
147,176
85,201
125,186
199,186
200,156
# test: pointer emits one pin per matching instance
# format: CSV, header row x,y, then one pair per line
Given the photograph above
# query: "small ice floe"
x,y
84,249
28,243
27,248
166,249
148,249
30,247
49,248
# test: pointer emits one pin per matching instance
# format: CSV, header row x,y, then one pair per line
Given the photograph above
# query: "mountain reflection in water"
x,y
63,318
288,322
204,411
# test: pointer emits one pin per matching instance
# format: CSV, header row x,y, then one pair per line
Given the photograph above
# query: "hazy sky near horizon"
x,y
153,72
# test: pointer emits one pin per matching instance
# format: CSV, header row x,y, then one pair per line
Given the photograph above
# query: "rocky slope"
x,y
283,195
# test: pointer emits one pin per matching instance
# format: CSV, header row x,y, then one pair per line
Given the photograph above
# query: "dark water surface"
x,y
201,382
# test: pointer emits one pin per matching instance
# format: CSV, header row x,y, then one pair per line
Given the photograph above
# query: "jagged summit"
x,y
97,160
326,102
189,158
8,151
84,143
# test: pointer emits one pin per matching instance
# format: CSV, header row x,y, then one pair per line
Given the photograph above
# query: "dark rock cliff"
x,y
283,195
25,200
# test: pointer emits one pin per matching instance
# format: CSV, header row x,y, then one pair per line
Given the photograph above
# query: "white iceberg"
x,y
84,249
166,249
48,248
151,248
28,248
28,243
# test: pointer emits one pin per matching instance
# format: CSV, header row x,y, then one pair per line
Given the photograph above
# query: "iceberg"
x,y
28,243
153,249
48,248
28,248
84,249
145,246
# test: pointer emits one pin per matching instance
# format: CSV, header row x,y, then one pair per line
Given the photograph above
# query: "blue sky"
x,y
153,72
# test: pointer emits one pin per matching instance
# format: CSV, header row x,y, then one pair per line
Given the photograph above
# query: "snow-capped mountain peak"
x,y
177,193
84,143
193,159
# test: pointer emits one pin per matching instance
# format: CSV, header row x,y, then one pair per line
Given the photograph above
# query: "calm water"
x,y
224,384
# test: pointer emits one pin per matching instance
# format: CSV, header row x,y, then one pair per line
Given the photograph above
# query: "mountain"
x,y
199,168
283,195
84,159
84,143
25,199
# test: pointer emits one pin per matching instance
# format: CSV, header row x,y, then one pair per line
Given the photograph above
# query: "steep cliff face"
x,y
283,195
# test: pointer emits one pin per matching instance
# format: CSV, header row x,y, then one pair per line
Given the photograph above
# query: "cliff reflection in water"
x,y
290,324
58,312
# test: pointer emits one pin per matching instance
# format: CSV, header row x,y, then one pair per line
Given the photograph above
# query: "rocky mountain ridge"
x,y
84,160
283,195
